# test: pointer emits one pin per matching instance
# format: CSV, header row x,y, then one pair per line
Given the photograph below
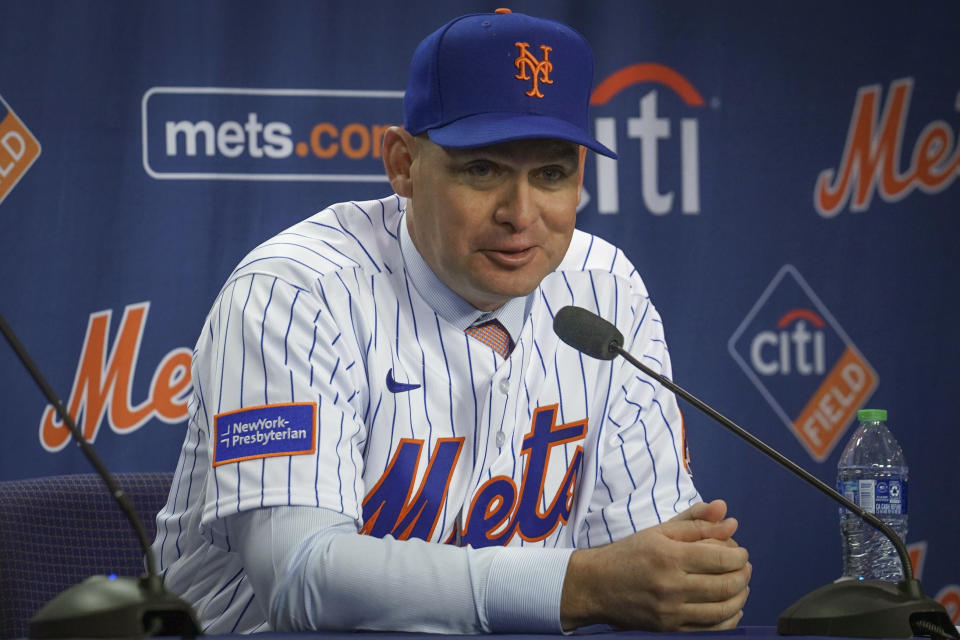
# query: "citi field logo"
x,y
216,133
19,149
103,382
658,141
803,363
870,162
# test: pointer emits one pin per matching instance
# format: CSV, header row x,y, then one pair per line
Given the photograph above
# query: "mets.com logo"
x,y
802,361
220,133
18,149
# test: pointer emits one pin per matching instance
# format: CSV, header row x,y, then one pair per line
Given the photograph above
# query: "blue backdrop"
x,y
786,185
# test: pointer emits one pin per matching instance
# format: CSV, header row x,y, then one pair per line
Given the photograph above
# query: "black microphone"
x,y
857,608
102,606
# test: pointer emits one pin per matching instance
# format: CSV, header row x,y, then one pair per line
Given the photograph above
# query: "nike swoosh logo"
x,y
398,387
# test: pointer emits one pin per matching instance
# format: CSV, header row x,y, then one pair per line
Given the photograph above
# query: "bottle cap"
x,y
872,415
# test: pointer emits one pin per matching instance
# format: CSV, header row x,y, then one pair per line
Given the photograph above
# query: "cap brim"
x,y
493,128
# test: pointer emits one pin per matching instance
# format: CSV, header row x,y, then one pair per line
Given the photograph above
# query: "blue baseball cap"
x,y
487,78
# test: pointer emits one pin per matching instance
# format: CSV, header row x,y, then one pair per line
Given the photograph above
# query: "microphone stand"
x,y
106,606
853,608
857,608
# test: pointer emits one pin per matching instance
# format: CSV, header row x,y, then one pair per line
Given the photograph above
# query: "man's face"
x,y
492,222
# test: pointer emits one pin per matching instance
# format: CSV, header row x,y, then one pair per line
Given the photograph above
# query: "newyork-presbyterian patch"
x,y
264,432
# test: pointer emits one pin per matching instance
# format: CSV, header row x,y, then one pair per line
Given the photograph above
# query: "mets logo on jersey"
x,y
498,510
18,149
539,69
803,363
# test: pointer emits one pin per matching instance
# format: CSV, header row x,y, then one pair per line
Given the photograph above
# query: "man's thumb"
x,y
714,511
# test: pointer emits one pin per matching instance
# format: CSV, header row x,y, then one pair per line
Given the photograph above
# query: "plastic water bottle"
x,y
873,474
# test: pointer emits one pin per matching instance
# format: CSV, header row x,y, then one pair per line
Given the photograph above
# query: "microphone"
x,y
855,608
587,332
102,606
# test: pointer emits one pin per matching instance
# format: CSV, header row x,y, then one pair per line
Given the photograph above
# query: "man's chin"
x,y
493,296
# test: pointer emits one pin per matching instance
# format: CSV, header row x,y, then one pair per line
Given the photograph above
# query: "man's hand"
x,y
685,574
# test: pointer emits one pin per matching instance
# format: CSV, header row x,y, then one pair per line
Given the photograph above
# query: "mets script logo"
x,y
498,510
803,363
871,159
103,382
540,69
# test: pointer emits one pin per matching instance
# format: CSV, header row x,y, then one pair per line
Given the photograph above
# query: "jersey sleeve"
x,y
279,395
314,564
644,478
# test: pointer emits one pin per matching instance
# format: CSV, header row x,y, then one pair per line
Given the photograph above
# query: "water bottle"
x,y
873,474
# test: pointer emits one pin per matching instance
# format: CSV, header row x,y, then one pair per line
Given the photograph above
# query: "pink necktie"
x,y
493,335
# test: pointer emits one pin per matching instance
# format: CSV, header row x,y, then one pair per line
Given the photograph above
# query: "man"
x,y
389,369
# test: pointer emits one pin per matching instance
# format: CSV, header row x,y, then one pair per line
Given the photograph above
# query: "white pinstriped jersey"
x,y
321,378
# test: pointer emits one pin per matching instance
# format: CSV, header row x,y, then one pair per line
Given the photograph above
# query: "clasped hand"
x,y
685,574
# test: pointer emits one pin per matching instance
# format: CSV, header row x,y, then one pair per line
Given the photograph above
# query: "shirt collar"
x,y
448,304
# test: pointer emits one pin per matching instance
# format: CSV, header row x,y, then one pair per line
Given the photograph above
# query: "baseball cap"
x,y
487,78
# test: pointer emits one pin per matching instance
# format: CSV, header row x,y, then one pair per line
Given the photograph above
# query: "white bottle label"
x,y
884,496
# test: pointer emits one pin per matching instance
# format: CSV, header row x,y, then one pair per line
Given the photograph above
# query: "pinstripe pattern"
x,y
323,311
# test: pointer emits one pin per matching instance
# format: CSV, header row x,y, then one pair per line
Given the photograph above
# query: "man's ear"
x,y
399,151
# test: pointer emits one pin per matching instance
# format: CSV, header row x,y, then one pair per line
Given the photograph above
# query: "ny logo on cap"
x,y
539,68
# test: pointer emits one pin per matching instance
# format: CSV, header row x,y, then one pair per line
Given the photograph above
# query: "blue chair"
x,y
57,531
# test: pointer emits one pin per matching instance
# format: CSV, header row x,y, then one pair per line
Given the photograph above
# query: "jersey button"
x,y
504,386
501,438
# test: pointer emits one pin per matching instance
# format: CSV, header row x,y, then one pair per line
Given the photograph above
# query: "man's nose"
x,y
518,205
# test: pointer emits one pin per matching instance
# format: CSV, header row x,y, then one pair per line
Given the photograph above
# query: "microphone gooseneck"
x,y
122,500
782,460
101,606
860,608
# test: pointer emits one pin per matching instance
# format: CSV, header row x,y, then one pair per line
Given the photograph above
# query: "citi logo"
x,y
803,363
800,348
655,134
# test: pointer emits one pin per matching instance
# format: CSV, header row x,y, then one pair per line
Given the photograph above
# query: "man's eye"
x,y
553,174
481,169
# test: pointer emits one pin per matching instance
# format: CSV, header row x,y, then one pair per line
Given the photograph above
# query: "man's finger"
x,y
713,511
728,542
702,557
693,530
724,625
714,615
718,587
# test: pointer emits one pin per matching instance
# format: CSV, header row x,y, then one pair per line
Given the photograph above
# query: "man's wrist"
x,y
578,600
